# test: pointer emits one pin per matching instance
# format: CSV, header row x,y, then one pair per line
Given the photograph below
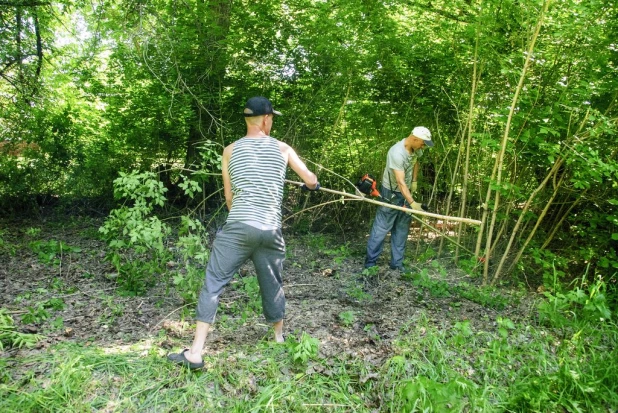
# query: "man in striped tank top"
x,y
253,170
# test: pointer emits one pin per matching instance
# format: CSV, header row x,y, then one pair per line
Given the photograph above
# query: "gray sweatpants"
x,y
236,243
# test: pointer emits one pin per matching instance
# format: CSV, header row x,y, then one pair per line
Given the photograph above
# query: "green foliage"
x,y
551,267
35,314
487,296
305,349
144,189
371,271
462,332
347,318
524,368
56,304
582,304
587,367
247,302
210,160
33,232
189,283
68,384
135,274
57,323
5,246
504,326
424,394
135,236
250,287
339,253
190,246
472,266
426,255
79,110
436,288
112,311
51,252
190,241
357,293
10,337
190,187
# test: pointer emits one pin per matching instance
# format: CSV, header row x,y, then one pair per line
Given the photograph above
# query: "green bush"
x,y
583,304
134,234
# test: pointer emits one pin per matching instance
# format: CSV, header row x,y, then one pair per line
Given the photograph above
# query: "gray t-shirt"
x,y
399,159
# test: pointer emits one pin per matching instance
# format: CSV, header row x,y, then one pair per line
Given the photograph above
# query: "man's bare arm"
x,y
400,177
227,182
299,166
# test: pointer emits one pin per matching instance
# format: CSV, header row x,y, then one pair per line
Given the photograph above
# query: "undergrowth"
x,y
563,359
557,365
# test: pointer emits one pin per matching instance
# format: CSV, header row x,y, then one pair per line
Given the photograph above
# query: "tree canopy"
x,y
520,97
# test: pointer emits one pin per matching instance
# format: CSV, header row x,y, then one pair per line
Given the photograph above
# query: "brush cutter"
x,y
367,185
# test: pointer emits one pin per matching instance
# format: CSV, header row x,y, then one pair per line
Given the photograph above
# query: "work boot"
x,y
401,268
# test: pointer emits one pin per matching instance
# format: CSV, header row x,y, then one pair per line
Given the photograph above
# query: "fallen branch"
x,y
384,204
165,318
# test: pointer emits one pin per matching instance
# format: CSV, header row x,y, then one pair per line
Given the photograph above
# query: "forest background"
x,y
125,106
520,96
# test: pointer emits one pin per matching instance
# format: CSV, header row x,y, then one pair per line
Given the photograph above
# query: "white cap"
x,y
423,133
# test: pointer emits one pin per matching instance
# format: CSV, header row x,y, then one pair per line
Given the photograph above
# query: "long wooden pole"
x,y
385,204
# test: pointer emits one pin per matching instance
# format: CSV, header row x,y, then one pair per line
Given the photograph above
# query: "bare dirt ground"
x,y
317,285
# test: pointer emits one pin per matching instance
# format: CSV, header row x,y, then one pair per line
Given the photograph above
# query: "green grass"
x,y
514,367
251,378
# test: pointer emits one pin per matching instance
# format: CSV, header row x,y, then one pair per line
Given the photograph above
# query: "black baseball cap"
x,y
259,106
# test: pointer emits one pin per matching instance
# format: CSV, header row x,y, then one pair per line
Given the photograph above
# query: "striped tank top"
x,y
257,171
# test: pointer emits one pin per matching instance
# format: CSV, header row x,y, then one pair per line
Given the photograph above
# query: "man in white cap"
x,y
398,183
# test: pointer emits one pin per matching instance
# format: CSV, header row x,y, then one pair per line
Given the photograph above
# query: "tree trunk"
x,y
213,23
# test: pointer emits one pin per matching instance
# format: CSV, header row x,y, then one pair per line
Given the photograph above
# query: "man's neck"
x,y
408,145
255,132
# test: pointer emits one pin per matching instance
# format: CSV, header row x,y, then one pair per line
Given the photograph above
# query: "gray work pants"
x,y
236,243
395,221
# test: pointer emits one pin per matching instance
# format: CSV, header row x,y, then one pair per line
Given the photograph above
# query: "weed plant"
x,y
51,252
347,318
10,337
485,296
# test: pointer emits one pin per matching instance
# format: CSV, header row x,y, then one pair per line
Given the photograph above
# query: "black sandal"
x,y
179,358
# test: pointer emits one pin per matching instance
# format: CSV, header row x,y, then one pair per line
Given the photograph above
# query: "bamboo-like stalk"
x,y
469,129
563,216
552,173
525,209
449,199
438,171
407,210
484,217
505,136
557,226
538,221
